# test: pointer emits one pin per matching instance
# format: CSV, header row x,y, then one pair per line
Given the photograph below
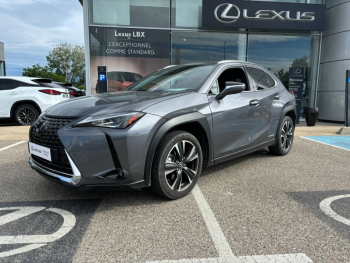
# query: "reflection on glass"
x,y
191,47
187,13
279,53
174,79
138,13
128,53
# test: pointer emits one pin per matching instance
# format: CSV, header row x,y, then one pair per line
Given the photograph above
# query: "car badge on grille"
x,y
41,128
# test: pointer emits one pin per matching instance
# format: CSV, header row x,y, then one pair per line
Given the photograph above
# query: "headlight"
x,y
116,121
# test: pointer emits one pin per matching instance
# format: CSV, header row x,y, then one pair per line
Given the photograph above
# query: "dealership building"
x,y
128,39
2,60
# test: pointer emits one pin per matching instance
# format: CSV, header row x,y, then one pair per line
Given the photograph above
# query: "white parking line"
x,y
12,145
324,143
219,239
34,241
325,206
222,246
282,258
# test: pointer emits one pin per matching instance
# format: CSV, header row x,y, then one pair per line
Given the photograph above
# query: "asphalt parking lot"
x,y
258,208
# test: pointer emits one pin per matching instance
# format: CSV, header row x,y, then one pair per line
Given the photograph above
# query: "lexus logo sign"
x,y
224,18
262,15
266,15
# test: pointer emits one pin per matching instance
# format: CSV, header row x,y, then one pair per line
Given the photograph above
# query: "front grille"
x,y
47,136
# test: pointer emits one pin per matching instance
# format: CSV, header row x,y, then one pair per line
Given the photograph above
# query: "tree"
x,y
42,72
68,60
301,62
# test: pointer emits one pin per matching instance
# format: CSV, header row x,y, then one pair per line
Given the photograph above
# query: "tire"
x,y
26,114
285,137
181,176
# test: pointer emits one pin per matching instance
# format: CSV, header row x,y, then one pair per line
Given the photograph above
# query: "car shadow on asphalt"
x,y
311,201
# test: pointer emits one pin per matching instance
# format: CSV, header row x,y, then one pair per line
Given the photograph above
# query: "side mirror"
x,y
231,87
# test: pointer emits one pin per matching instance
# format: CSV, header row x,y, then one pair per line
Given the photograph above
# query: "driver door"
x,y
235,120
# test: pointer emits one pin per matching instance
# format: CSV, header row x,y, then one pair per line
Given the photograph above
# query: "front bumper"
x,y
72,182
101,157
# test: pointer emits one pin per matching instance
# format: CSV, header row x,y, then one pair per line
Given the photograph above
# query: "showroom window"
x,y
135,13
191,47
128,54
280,53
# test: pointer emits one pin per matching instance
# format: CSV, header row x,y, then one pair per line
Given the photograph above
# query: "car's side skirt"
x,y
245,151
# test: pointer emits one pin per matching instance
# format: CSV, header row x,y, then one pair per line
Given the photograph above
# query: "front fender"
x,y
169,125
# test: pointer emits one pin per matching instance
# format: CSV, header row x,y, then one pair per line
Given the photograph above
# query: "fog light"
x,y
115,175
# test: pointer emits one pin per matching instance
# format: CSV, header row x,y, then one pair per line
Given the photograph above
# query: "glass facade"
x,y
134,13
129,37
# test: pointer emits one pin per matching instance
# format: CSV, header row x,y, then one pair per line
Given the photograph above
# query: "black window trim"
x,y
263,70
268,74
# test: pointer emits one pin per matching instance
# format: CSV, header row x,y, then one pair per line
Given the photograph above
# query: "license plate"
x,y
40,151
65,96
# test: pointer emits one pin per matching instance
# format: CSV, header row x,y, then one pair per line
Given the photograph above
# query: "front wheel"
x,y
177,165
285,137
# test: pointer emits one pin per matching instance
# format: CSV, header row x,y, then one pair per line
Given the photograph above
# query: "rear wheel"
x,y
285,137
177,165
26,114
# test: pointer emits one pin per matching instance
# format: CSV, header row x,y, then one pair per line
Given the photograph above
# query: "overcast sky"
x,y
30,29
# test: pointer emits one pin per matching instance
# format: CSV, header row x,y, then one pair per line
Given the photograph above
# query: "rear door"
x,y
266,97
9,94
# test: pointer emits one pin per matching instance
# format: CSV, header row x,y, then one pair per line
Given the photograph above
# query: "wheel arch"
x,y
194,123
288,110
18,103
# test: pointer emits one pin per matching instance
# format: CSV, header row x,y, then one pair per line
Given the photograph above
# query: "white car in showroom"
x,y
24,98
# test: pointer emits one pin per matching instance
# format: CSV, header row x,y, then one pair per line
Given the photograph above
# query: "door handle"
x,y
13,93
254,102
277,96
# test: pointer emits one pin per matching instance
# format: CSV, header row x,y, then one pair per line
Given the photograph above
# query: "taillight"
x,y
292,92
50,92
73,93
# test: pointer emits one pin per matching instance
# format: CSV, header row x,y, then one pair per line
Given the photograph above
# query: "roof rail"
x,y
230,61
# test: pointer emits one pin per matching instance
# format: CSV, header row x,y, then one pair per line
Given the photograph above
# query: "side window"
x,y
259,78
7,84
271,81
232,74
215,88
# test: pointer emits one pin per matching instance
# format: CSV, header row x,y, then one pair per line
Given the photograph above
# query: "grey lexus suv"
x,y
160,131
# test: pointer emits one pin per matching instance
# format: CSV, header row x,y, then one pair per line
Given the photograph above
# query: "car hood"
x,y
106,103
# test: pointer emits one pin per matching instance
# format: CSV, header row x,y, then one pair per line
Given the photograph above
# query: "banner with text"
x,y
128,54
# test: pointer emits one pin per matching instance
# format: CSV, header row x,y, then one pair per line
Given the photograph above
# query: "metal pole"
x,y
347,87
318,69
225,50
87,47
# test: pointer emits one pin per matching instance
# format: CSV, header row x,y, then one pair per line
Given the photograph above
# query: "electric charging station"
x,y
102,79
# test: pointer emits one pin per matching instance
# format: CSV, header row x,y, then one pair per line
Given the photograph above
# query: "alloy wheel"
x,y
181,165
287,135
26,116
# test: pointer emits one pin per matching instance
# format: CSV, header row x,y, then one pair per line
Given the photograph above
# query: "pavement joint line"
x,y
324,143
10,146
222,246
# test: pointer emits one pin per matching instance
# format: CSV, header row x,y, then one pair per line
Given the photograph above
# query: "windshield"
x,y
177,78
